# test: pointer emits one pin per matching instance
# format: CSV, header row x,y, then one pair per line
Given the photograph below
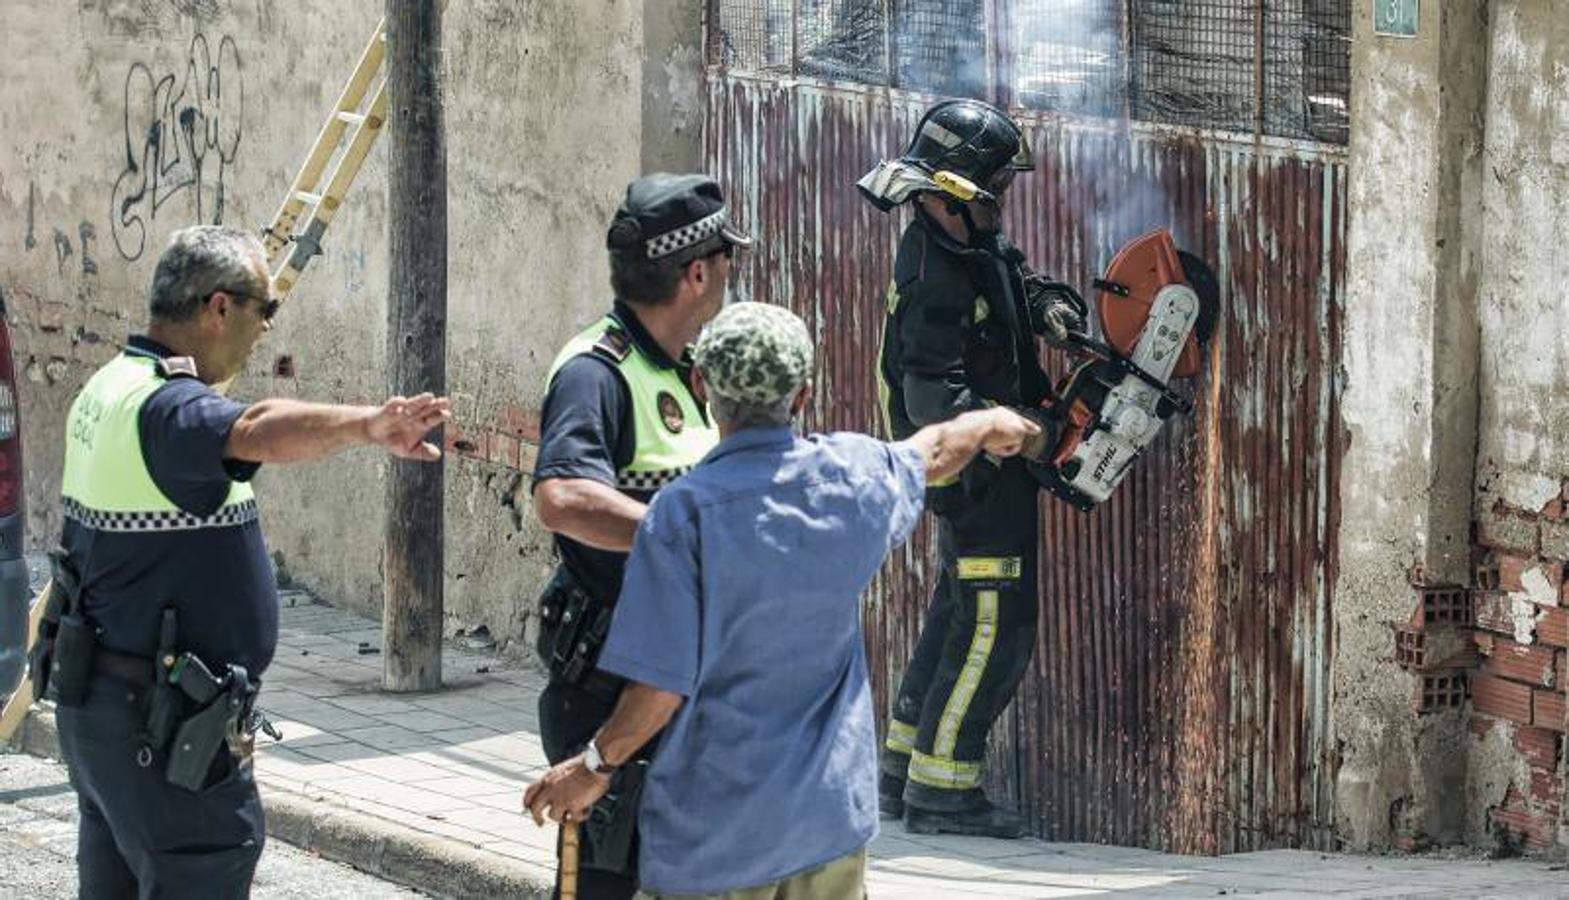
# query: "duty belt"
x,y
136,671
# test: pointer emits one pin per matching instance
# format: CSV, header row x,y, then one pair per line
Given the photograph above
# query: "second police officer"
x,y
619,422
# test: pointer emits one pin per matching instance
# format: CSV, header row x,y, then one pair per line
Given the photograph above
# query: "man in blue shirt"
x,y
739,626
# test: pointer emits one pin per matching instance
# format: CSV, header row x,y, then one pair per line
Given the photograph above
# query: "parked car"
x,y
14,591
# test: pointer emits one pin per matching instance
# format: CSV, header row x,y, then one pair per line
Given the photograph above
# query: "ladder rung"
x,y
307,198
351,118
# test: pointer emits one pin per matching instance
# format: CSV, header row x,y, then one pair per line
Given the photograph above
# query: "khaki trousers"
x,y
841,879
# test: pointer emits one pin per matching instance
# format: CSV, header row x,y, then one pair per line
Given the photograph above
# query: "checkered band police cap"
x,y
664,215
754,353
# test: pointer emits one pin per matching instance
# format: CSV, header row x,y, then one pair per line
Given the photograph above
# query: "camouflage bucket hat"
x,y
754,353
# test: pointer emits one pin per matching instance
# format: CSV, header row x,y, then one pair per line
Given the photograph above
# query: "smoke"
x,y
1069,56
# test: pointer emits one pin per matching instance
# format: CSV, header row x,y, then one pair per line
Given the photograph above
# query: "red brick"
x,y
1535,830
1539,746
1481,725
1552,627
1443,606
1507,531
1547,789
502,449
1554,508
1441,691
519,422
1493,611
1532,664
1511,569
1485,573
1504,699
1548,709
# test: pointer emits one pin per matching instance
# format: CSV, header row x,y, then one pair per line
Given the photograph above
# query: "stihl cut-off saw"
x,y
1157,308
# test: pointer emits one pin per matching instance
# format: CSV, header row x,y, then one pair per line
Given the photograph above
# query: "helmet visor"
x,y
1024,160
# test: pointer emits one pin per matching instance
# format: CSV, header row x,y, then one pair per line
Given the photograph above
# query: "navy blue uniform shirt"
x,y
220,580
585,431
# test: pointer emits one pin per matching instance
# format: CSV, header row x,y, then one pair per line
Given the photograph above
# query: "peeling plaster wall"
x,y
1409,409
1458,468
674,91
1522,466
545,127
1524,451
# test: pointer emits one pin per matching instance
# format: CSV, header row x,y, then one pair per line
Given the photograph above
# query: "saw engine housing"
x,y
1157,308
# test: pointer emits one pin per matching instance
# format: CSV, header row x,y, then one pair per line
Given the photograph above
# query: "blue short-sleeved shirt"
x,y
742,594
220,580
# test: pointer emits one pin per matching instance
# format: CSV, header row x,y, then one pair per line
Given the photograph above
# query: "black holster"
x,y
61,659
611,829
220,721
573,626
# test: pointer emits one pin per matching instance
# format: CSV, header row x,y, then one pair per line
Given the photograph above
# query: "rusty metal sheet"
x,y
1178,697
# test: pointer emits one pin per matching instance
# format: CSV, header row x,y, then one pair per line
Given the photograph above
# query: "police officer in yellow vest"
x,y
620,421
165,613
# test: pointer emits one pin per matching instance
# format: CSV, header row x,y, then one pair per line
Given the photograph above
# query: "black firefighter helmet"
x,y
969,139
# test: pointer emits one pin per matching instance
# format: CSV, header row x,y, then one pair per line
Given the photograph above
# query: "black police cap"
x,y
664,215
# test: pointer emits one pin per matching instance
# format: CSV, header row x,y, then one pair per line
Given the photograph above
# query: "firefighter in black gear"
x,y
620,421
963,314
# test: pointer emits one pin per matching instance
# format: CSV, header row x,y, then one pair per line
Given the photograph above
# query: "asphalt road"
x,y
38,845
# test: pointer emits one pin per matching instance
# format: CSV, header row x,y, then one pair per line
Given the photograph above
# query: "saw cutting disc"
x,y
1135,278
1202,279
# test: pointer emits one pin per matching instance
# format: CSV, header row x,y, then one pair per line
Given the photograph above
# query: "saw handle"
x,y
1109,353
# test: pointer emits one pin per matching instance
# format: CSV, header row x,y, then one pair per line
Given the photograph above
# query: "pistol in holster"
x,y
573,626
610,832
223,718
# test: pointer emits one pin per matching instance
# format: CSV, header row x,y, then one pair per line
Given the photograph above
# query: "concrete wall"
x,y
1455,539
554,105
1517,780
1410,350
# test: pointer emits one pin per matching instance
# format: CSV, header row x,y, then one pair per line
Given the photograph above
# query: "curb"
x,y
385,849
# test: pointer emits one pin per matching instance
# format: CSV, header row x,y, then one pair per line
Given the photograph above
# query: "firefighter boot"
x,y
890,796
959,812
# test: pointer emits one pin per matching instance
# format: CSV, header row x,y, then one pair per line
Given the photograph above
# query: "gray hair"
x,y
198,262
739,414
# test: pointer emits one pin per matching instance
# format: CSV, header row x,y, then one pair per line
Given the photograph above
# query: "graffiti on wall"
x,y
182,136
63,248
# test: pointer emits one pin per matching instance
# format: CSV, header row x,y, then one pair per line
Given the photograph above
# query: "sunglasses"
x,y
269,306
727,250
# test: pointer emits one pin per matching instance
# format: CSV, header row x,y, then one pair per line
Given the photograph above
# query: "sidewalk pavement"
x,y
425,790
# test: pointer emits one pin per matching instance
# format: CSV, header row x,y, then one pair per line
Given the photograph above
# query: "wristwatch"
x,y
595,761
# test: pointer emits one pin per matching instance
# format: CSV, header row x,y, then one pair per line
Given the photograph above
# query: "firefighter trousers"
x,y
976,641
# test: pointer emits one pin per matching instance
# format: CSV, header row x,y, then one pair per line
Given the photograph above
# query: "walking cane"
x,y
569,861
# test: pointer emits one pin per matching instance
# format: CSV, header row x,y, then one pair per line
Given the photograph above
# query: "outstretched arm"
x,y
279,430
948,447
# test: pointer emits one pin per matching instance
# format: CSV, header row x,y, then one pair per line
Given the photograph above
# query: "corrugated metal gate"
x,y
1179,692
